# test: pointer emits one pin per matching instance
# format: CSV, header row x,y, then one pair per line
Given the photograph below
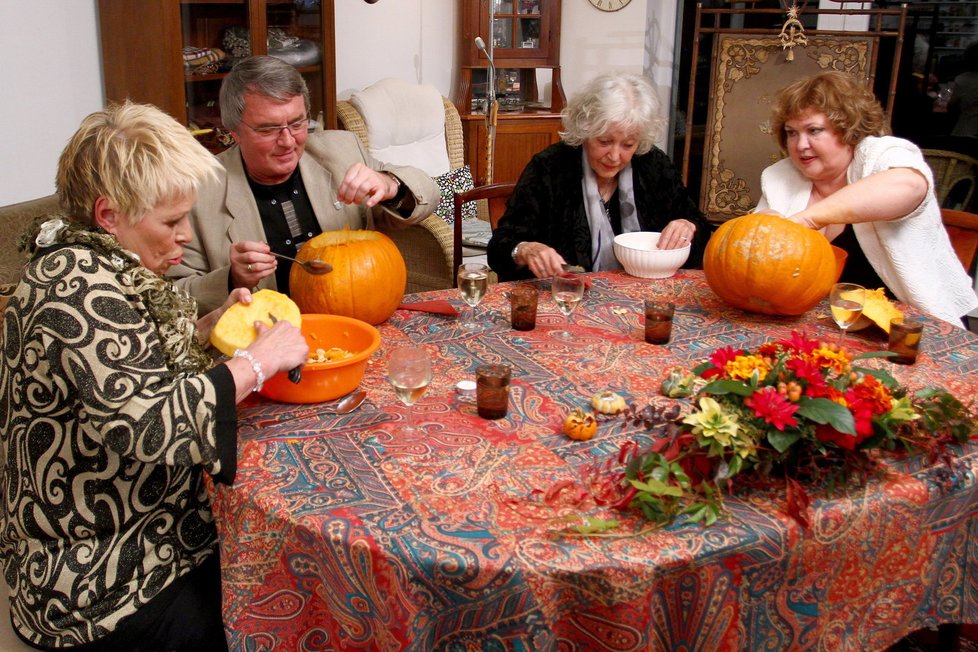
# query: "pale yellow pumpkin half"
x,y
877,309
236,327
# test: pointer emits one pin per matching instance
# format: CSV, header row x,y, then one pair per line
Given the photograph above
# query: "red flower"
x,y
719,360
862,413
872,391
798,343
774,408
808,371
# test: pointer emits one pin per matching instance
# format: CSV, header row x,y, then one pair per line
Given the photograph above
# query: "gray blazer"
x,y
226,212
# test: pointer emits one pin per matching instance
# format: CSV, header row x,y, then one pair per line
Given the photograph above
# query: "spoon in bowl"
x,y
347,404
314,267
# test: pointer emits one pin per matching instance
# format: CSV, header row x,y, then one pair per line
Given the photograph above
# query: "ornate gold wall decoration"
x,y
746,73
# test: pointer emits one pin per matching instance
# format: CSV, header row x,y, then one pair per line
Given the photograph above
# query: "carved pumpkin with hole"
x,y
367,281
769,264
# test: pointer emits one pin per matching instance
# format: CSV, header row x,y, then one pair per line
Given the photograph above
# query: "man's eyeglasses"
x,y
272,132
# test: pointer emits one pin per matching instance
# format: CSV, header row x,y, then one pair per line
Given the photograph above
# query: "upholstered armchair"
x,y
406,124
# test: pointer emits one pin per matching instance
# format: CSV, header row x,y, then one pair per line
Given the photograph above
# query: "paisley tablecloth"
x,y
342,533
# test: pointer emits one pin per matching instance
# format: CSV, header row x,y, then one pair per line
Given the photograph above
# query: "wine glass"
x,y
409,370
846,301
568,291
473,281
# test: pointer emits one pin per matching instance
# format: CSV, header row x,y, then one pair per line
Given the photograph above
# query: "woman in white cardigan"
x,y
870,193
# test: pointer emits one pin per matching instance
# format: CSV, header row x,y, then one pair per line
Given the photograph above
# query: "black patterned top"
x,y
102,451
547,206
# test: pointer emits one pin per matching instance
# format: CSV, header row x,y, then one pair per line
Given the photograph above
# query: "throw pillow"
x,y
457,180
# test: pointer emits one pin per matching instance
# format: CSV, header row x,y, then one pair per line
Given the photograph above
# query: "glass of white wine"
x,y
409,370
846,301
473,282
568,291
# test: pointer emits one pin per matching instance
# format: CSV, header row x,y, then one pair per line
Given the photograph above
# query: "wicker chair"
x,y
13,220
955,176
427,247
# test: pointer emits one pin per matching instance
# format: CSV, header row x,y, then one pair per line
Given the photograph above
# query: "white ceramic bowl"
x,y
637,254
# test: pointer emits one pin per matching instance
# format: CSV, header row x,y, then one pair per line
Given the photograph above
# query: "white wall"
x,y
51,76
406,39
50,67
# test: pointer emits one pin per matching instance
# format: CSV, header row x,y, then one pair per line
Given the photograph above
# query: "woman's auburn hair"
x,y
848,104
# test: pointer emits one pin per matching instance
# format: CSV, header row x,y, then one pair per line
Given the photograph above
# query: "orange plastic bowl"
x,y
840,261
324,381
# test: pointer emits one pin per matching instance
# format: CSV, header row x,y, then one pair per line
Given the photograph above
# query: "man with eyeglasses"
x,y
282,185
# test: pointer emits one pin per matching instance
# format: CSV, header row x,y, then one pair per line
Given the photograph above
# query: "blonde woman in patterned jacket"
x,y
111,411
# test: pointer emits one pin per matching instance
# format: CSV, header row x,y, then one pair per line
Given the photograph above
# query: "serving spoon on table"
x,y
314,267
347,404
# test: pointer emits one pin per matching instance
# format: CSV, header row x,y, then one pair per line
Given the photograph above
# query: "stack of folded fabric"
x,y
202,61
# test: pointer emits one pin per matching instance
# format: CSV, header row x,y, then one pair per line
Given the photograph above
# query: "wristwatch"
x,y
516,250
397,201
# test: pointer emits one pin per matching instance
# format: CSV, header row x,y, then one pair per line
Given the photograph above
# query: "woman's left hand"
x,y
206,323
677,234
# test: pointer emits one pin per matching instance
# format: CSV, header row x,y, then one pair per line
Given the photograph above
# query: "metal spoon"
x,y
347,404
315,267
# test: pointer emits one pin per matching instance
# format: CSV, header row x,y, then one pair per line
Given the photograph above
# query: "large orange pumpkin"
x,y
770,265
367,281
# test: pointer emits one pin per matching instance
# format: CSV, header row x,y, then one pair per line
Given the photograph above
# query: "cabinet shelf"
x,y
143,41
525,38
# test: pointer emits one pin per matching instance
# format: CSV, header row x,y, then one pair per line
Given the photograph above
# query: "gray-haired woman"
x,y
606,177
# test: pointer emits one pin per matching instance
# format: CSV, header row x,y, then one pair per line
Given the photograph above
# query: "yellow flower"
x,y
744,366
837,361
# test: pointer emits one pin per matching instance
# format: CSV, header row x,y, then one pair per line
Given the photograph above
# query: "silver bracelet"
x,y
255,366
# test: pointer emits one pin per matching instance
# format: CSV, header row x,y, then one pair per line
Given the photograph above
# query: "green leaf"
x,y
782,441
593,525
881,375
727,386
657,488
866,355
822,410
695,513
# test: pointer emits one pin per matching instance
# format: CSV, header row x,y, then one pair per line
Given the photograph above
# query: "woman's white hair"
x,y
623,100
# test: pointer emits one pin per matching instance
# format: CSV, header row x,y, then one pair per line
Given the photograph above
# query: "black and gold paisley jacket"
x,y
102,452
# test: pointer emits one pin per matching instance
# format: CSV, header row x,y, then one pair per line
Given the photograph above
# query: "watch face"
x,y
609,5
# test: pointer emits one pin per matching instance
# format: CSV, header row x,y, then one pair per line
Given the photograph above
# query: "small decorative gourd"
x,y
580,425
608,402
769,264
367,281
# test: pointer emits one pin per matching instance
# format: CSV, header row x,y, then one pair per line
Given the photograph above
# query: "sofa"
x,y
14,219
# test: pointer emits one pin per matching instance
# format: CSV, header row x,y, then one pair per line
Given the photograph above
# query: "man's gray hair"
x,y
263,75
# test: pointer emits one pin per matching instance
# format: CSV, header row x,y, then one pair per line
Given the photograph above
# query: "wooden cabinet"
x,y
518,138
149,48
525,45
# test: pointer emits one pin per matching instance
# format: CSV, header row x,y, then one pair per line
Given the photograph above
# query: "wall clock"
x,y
609,5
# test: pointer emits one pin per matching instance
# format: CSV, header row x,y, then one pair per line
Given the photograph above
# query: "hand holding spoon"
x,y
314,267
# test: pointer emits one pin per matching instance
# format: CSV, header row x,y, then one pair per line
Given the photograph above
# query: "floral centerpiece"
x,y
794,408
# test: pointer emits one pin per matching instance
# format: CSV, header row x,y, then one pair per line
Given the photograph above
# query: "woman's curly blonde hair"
x,y
848,104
